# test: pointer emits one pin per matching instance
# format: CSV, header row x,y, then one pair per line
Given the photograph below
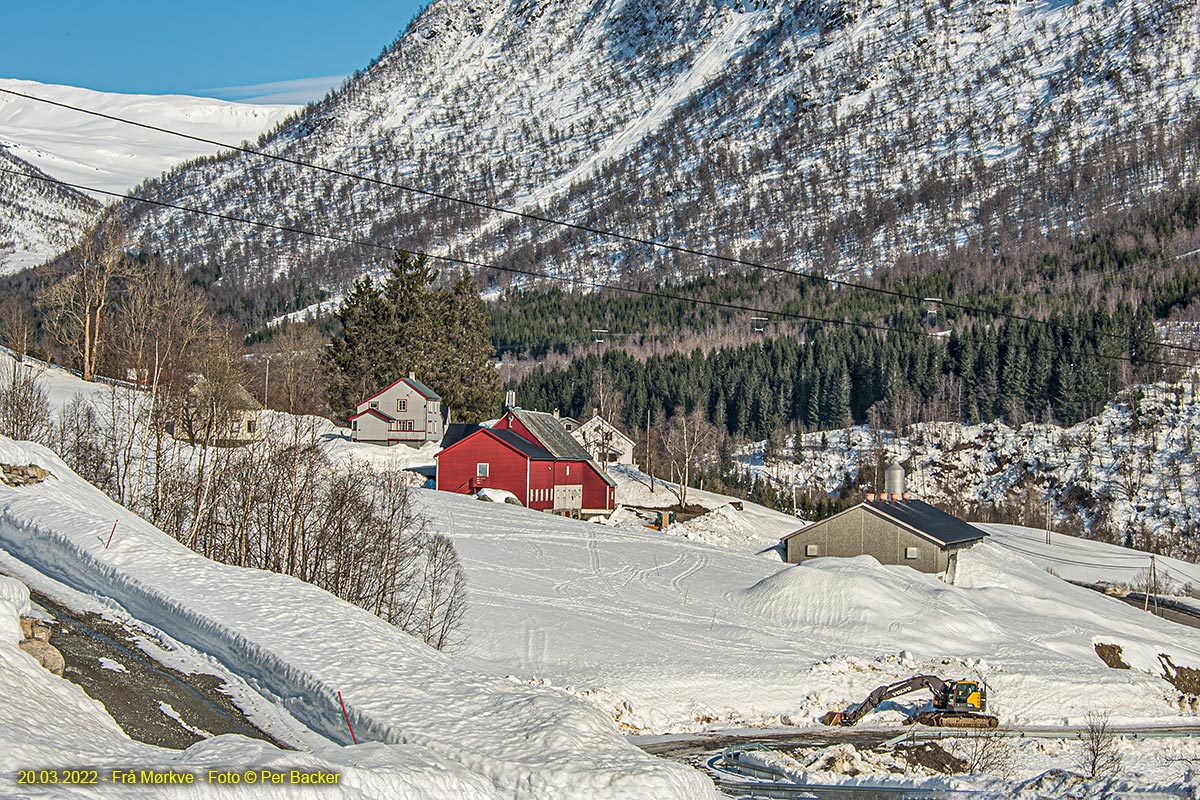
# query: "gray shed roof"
x,y
550,432
430,394
933,523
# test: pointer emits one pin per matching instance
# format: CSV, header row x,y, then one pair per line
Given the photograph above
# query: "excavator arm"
x,y
883,693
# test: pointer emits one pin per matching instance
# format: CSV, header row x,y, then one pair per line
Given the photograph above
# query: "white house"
x,y
406,412
605,442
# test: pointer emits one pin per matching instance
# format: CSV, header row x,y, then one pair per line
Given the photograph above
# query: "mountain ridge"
x,y
821,136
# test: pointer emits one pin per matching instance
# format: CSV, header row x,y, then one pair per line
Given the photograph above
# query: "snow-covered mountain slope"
x,y
104,154
832,135
37,219
431,727
111,155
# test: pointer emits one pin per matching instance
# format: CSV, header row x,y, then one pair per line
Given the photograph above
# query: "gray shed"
x,y
902,531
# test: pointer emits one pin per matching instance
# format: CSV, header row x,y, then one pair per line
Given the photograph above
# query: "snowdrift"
x,y
481,736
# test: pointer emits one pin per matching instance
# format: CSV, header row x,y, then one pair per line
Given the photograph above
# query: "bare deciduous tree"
x,y
986,751
159,318
689,441
24,406
1101,753
16,326
77,303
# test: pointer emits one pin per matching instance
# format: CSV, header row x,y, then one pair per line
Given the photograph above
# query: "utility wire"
x,y
587,228
541,275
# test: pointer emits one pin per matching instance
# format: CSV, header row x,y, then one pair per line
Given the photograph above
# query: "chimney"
x,y
556,413
510,399
412,376
893,480
595,412
906,496
870,497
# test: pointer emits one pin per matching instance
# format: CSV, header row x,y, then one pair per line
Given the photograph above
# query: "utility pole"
x,y
1151,586
1049,509
649,453
605,439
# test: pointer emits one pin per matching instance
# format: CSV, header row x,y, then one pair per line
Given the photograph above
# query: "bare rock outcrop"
x,y
17,475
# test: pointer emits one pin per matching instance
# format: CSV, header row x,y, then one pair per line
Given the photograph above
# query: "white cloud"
x,y
301,90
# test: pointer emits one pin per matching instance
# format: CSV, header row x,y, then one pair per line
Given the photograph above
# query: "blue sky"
x,y
258,51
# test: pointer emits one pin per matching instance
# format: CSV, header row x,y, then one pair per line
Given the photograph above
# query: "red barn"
x,y
530,454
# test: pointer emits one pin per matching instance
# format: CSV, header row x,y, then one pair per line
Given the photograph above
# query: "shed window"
x,y
481,470
912,553
811,550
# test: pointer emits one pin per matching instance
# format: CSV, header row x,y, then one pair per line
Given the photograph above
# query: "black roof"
x,y
531,449
933,522
456,431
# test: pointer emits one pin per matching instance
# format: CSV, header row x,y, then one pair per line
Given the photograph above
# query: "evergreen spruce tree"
x,y
469,384
357,354
406,325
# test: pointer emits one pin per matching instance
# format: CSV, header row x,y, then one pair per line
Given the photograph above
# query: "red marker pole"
x,y
110,534
347,718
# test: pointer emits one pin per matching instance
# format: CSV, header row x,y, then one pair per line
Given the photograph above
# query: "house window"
x,y
811,550
481,470
402,405
249,426
374,405
912,553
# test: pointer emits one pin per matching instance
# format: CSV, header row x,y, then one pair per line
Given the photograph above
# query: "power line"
x,y
869,326
590,229
477,264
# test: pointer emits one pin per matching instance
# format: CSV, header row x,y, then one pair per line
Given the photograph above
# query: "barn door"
x,y
568,497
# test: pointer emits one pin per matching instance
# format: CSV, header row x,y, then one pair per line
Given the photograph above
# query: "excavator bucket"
x,y
831,718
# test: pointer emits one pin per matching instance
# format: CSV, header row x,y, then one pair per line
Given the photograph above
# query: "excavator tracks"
x,y
936,719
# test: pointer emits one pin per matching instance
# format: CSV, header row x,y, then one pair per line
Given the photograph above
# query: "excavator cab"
x,y
967,697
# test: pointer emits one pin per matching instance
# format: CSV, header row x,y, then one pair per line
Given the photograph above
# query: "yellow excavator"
x,y
956,704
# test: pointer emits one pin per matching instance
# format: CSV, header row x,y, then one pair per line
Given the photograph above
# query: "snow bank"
x,y
301,646
858,597
15,594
